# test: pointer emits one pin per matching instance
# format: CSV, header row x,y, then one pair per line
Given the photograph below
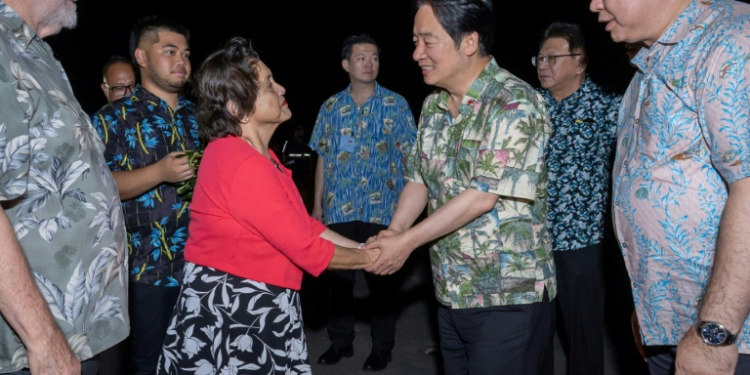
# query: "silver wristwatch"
x,y
715,334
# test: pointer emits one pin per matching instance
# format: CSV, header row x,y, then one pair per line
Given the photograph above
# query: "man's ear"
x,y
104,90
470,43
581,68
345,65
140,57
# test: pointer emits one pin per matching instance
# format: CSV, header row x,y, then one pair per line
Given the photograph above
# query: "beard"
x,y
166,84
62,16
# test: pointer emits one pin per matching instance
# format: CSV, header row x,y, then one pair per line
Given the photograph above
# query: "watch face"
x,y
713,333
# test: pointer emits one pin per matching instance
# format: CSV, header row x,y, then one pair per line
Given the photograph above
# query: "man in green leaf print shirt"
x,y
146,136
478,165
63,293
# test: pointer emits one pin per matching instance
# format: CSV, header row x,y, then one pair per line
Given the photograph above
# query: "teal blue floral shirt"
x,y
60,199
496,145
363,150
684,137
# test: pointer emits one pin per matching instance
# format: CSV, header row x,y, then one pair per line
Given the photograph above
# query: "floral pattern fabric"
x,y
139,131
363,151
579,159
224,324
60,198
683,139
496,144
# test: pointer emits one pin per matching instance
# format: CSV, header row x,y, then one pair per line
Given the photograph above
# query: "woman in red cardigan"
x,y
251,237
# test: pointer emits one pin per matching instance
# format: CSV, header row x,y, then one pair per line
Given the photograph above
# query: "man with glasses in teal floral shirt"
x,y
118,78
146,136
362,136
478,165
579,157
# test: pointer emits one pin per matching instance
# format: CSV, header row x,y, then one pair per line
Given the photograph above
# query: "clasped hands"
x,y
394,250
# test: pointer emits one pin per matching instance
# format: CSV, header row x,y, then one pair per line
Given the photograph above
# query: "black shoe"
x,y
333,355
376,362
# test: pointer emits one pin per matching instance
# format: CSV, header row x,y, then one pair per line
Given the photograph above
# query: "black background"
x,y
301,42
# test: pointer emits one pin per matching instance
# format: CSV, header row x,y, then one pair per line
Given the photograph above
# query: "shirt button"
x,y
635,285
637,121
624,245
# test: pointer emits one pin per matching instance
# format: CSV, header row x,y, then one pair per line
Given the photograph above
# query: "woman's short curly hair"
x,y
229,75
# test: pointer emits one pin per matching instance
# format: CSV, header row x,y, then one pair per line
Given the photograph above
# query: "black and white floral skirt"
x,y
225,324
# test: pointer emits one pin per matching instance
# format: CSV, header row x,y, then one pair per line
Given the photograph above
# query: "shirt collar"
x,y
145,95
689,21
11,22
586,87
473,97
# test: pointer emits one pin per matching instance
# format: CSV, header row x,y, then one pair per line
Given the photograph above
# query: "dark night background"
x,y
301,42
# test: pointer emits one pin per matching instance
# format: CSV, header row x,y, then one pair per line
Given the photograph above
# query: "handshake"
x,y
386,252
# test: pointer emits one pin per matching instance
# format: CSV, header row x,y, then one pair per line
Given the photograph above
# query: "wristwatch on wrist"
x,y
715,334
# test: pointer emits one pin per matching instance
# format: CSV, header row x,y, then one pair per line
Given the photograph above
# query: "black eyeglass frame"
x,y
124,89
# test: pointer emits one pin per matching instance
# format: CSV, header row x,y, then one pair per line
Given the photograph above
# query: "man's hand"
x,y
317,213
372,255
175,167
53,357
383,233
394,252
694,357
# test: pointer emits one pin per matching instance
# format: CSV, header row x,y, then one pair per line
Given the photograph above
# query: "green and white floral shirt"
x,y
496,145
60,197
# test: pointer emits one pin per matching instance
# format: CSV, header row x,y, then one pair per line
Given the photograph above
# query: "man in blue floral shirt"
x,y
362,136
145,136
579,159
681,192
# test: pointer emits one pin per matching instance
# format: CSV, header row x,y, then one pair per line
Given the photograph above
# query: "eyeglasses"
x,y
121,90
551,60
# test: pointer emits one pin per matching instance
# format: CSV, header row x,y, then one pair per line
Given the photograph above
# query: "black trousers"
x,y
661,361
507,340
580,302
150,310
383,292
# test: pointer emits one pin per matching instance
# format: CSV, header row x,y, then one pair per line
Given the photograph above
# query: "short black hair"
x,y
115,59
572,33
230,74
149,27
346,48
462,17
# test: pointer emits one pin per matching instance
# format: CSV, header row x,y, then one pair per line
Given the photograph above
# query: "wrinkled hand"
x,y
694,357
54,358
394,252
636,327
317,213
372,255
175,167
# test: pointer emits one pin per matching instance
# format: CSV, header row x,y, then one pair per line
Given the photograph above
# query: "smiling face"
x,y
634,21
165,63
363,64
562,75
434,51
270,105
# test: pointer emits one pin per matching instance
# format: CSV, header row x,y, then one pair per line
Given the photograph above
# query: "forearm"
x,y
411,203
338,239
133,183
318,197
20,301
345,258
727,298
455,214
